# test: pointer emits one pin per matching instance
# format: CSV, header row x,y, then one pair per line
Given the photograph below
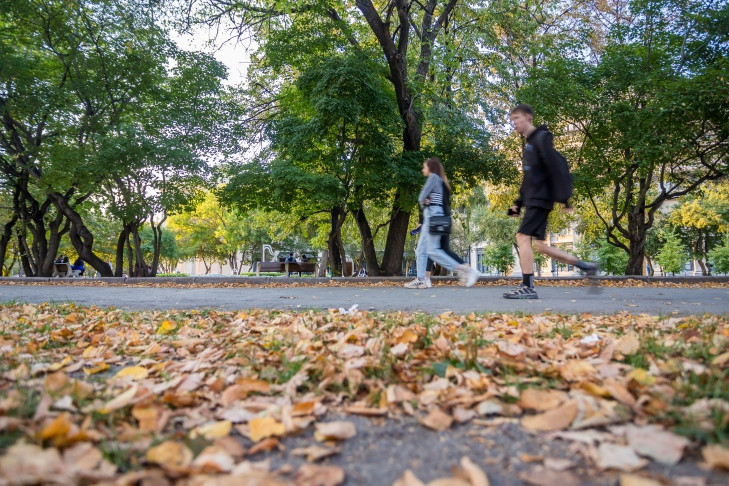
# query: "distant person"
x,y
79,266
304,258
291,259
62,259
541,187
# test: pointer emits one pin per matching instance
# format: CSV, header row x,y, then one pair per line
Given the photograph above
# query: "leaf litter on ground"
x,y
202,398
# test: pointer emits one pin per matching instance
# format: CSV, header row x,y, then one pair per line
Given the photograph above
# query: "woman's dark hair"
x,y
436,167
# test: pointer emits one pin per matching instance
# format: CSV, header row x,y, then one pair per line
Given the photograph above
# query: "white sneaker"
x,y
473,275
463,272
428,283
417,283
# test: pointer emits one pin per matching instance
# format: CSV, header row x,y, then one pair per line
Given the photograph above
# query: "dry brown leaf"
x,y
213,460
448,482
475,475
716,456
658,444
635,480
30,464
437,420
315,453
408,479
312,475
541,400
334,431
621,458
557,419
213,430
539,476
627,344
120,401
577,370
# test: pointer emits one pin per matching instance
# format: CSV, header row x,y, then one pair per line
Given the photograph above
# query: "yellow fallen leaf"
x,y
557,419
147,417
96,369
642,377
253,385
262,427
408,336
303,408
136,373
59,365
120,401
212,431
171,454
58,427
577,370
166,327
635,480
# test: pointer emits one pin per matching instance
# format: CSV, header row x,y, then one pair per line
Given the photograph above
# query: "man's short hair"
x,y
523,109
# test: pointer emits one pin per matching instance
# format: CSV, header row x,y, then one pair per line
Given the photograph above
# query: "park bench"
x,y
64,270
286,267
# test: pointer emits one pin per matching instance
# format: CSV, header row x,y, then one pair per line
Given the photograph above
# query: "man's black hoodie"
x,y
539,165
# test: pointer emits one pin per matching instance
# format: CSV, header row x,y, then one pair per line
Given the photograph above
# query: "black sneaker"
x,y
521,292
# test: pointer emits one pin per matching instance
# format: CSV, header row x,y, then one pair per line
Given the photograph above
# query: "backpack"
x,y
562,181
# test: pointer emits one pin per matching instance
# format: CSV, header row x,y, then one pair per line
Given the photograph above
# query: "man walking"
x,y
543,184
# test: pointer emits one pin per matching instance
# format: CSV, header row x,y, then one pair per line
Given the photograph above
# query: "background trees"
x,y
110,135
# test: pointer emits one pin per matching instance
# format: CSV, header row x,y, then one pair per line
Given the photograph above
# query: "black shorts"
x,y
534,222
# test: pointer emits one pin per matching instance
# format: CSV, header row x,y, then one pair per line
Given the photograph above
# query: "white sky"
x,y
231,53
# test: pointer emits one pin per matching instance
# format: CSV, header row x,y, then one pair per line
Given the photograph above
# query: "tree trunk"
x,y
651,270
157,243
130,255
143,270
395,243
26,257
323,264
368,242
334,242
6,237
120,244
637,236
81,238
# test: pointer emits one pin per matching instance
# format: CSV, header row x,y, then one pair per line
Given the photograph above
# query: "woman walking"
x,y
431,199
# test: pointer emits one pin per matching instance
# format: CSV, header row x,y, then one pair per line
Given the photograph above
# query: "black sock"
x,y
528,279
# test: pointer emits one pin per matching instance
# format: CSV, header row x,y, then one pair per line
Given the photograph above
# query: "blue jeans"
x,y
429,245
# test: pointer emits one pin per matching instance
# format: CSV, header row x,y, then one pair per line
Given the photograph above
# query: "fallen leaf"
x,y
558,464
654,442
312,475
334,431
541,400
627,344
212,431
721,359
622,458
135,373
30,464
539,476
408,479
635,480
557,419
577,370
166,327
475,475
315,453
716,456
120,401
171,455
58,427
437,420
92,370
263,427
213,460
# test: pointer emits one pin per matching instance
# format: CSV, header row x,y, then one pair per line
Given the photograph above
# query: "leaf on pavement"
x,y
557,419
437,420
263,427
313,475
334,431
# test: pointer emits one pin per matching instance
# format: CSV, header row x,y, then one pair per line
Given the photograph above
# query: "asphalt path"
x,y
572,300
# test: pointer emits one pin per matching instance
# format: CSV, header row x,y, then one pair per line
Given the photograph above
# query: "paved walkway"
x,y
652,300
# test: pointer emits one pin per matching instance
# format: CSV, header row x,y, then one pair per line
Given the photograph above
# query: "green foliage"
x,y
673,255
719,257
499,256
612,259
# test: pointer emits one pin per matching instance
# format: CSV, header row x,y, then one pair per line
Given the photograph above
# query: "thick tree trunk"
x,y
139,257
637,230
130,256
334,242
157,243
368,242
81,238
6,237
120,244
26,259
395,243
